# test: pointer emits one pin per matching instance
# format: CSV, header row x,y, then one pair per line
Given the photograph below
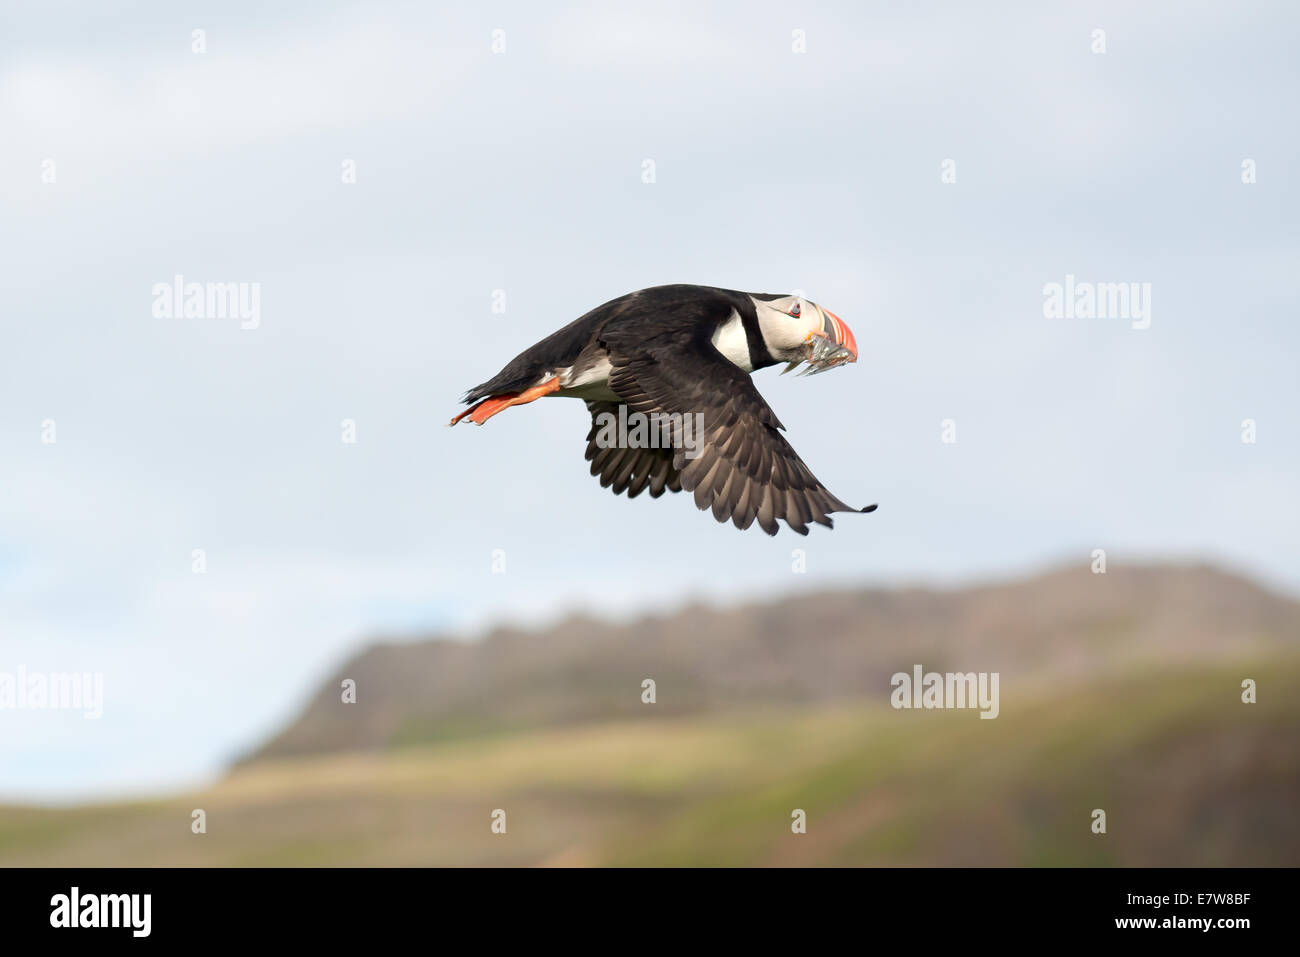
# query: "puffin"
x,y
675,362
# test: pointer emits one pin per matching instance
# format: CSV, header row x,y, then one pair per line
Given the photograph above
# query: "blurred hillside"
x,y
1119,691
1066,626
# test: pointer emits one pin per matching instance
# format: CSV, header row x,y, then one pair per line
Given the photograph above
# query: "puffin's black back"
x,y
669,306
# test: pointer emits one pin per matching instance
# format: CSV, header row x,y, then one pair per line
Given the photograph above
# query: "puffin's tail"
x,y
484,409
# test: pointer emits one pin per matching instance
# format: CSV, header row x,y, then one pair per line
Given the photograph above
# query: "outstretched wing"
x,y
625,469
726,445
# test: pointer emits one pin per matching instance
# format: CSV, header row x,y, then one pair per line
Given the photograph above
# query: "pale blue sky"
x,y
522,171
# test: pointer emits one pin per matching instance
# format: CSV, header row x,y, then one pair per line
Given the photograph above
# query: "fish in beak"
x,y
831,346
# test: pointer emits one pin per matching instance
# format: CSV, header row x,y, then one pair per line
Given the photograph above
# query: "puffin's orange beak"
x,y
835,329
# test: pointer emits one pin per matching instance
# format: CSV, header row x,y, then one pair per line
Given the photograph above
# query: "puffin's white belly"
x,y
592,383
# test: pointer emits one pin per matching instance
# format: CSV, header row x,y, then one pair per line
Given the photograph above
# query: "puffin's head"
x,y
791,324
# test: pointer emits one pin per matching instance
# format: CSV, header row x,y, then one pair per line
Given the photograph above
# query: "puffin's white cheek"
x,y
790,335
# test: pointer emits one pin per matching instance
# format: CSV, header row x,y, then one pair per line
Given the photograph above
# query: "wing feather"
x,y
737,463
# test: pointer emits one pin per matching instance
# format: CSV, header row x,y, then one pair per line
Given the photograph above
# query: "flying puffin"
x,y
681,357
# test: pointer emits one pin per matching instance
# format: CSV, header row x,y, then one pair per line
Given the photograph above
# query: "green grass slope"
x,y
1186,773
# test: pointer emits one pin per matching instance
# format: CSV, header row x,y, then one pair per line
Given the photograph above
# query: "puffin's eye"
x,y
794,310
